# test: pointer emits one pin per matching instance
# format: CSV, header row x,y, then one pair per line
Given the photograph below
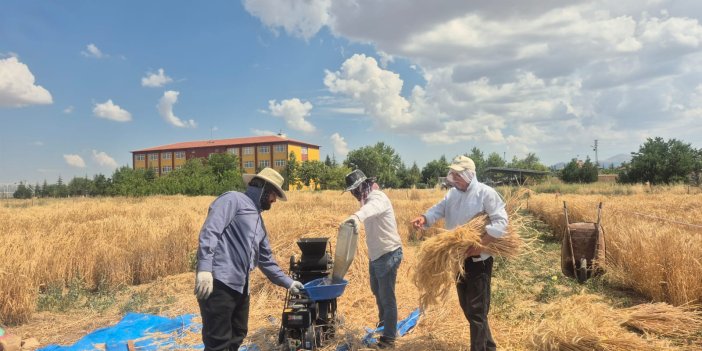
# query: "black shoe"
x,y
385,344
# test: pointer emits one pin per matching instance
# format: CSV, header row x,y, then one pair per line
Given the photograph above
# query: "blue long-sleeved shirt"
x,y
460,207
233,241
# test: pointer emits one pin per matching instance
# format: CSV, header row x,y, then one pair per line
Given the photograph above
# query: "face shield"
x,y
460,180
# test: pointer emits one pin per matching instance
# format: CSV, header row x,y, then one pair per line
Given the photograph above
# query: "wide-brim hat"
x,y
272,177
462,163
354,179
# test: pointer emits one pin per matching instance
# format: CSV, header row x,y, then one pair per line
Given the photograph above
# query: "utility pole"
x,y
597,161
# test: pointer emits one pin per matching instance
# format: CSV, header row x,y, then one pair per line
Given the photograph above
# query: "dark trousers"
x,y
474,296
225,318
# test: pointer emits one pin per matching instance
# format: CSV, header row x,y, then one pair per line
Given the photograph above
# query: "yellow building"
x,y
253,153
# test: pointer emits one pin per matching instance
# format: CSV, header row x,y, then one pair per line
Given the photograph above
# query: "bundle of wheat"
x,y
585,323
440,260
683,322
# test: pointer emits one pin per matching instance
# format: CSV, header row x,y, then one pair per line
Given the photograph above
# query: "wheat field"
x,y
109,244
653,241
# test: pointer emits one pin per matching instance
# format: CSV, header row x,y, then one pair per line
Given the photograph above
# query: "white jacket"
x,y
378,218
458,208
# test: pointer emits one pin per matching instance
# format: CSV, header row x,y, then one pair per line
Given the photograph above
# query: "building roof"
x,y
226,142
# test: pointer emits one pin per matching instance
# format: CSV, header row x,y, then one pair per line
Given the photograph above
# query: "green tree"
x,y
290,172
435,169
570,173
44,189
478,158
528,162
660,162
130,182
573,172
22,192
310,173
101,185
380,161
333,178
60,190
495,160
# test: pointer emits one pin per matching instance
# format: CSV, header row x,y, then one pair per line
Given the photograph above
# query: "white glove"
x,y
353,221
203,285
295,288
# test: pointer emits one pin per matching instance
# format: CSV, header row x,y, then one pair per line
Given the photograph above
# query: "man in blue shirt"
x,y
234,241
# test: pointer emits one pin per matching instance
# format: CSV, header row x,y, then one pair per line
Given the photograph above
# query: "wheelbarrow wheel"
x,y
581,271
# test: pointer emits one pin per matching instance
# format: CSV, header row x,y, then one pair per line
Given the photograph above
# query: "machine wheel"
x,y
581,271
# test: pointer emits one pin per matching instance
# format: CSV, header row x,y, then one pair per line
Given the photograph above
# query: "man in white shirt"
x,y
467,199
384,248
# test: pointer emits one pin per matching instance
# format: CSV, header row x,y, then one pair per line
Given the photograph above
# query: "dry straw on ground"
x,y
440,260
585,322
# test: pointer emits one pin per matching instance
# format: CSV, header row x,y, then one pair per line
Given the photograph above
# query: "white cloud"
x,y
299,18
385,58
341,148
505,73
68,110
92,51
111,111
155,80
104,160
38,143
347,110
263,132
74,161
293,111
165,109
17,87
379,92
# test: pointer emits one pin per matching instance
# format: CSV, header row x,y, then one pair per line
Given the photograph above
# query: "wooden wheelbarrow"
x,y
582,248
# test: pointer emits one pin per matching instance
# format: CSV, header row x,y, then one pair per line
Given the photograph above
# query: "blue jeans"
x,y
383,275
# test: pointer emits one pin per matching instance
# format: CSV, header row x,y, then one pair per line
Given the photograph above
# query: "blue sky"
x,y
82,83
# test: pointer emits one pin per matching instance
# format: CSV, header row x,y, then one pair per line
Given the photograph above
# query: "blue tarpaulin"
x,y
160,333
403,327
139,327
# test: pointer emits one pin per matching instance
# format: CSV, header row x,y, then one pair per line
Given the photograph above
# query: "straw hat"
x,y
271,177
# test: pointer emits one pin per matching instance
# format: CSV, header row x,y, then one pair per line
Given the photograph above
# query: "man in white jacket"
x,y
384,248
465,200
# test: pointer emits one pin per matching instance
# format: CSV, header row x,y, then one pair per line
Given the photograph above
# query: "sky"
x,y
83,83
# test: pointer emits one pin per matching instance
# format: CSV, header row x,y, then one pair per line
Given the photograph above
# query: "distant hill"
x,y
615,160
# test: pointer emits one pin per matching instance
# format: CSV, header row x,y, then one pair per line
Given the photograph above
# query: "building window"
x,y
303,151
264,163
140,157
166,156
264,149
249,164
153,157
233,150
180,154
248,150
166,169
178,167
280,163
280,148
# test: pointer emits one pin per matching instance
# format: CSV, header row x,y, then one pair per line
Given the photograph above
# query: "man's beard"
x,y
266,200
265,204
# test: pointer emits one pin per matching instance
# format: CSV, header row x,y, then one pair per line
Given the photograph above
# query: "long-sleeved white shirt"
x,y
458,208
378,218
